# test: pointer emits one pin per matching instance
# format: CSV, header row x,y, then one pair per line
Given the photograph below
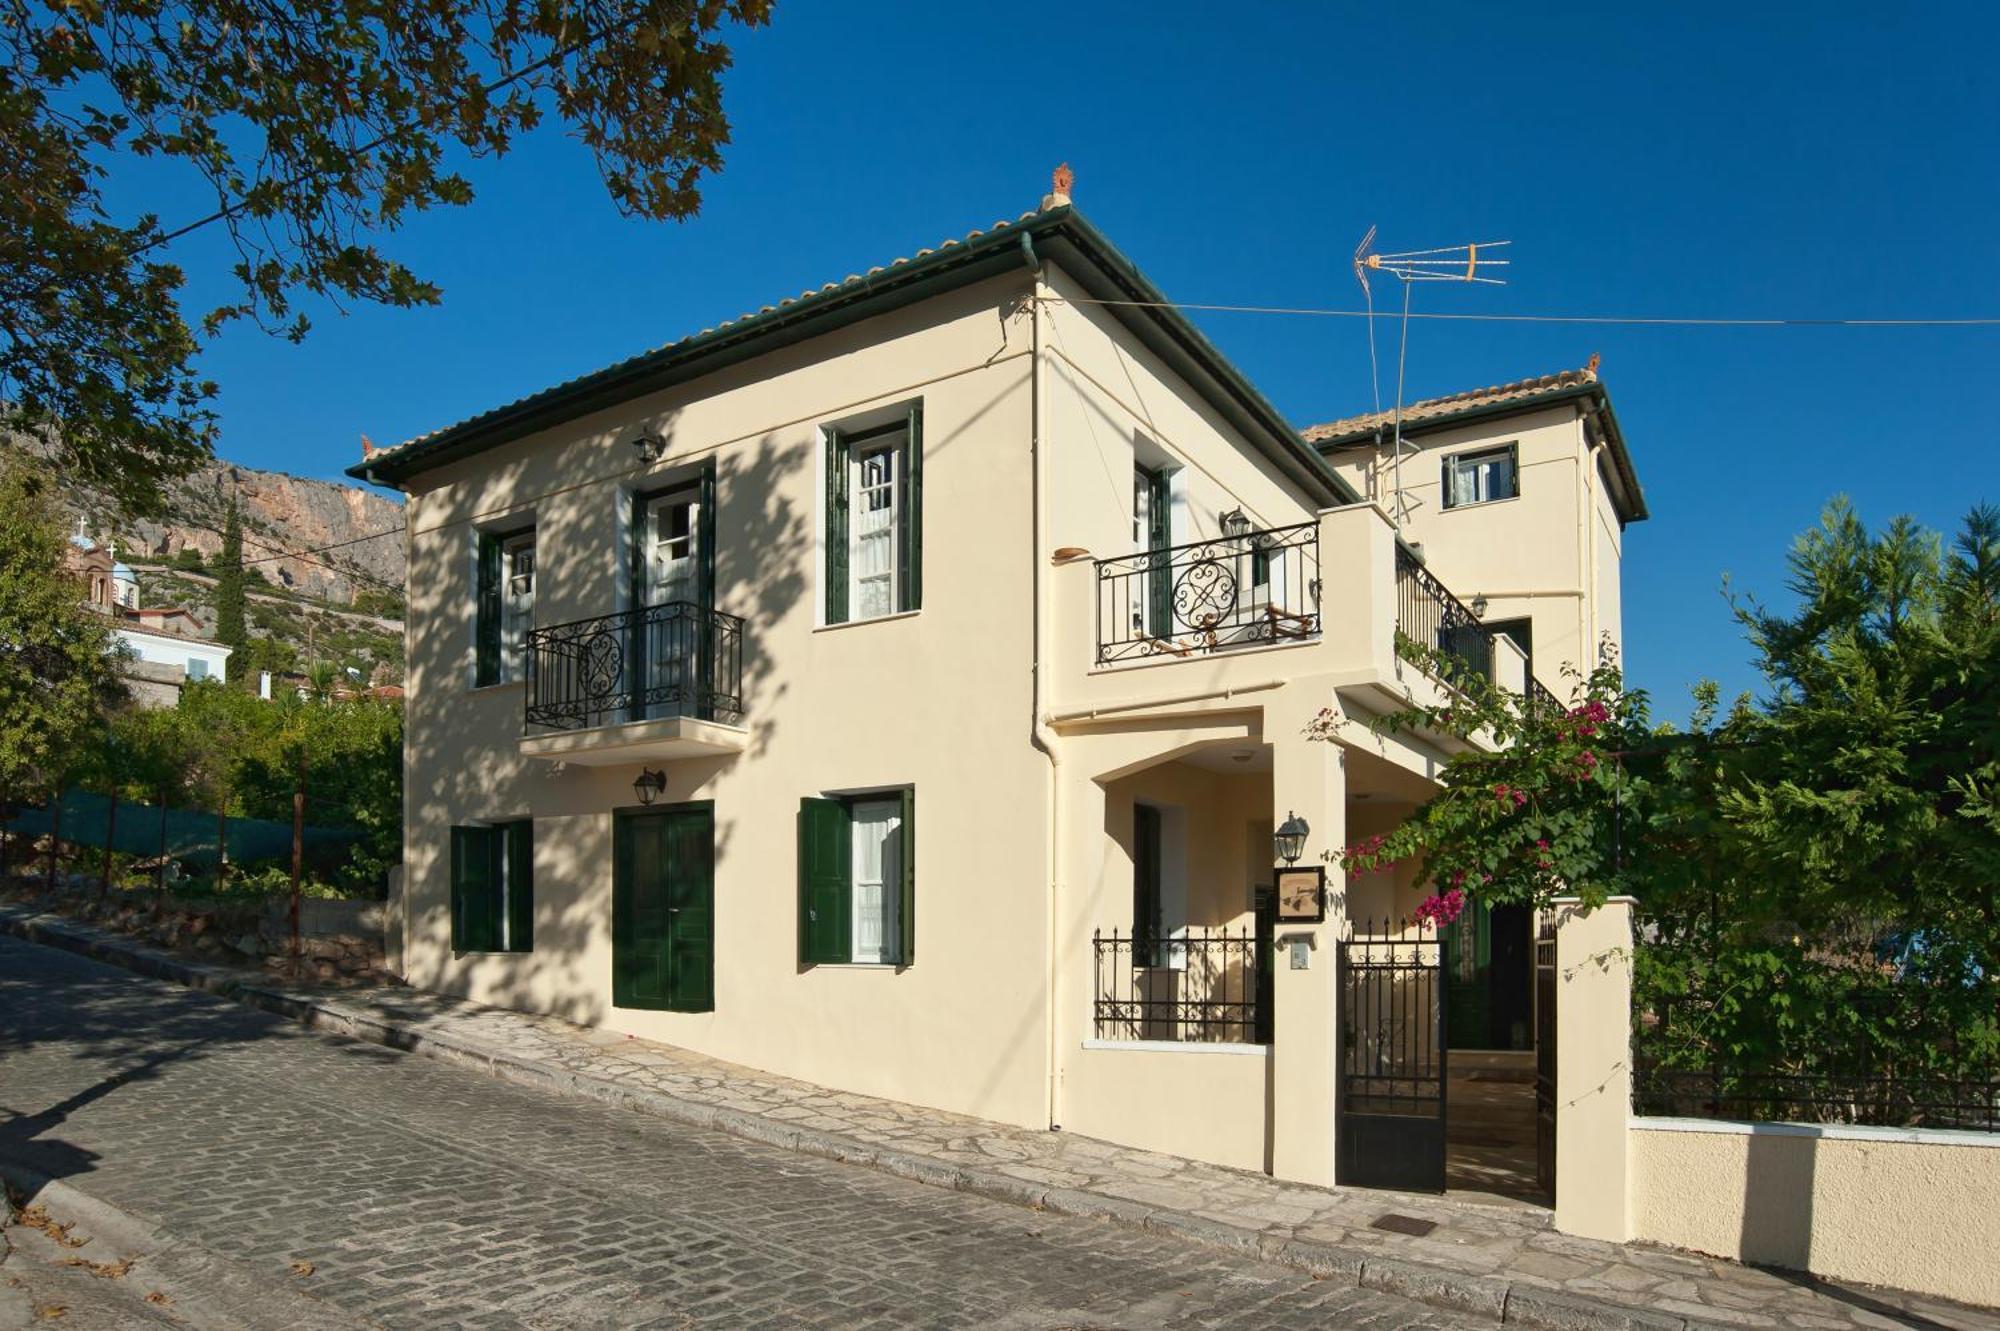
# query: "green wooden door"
x,y
663,910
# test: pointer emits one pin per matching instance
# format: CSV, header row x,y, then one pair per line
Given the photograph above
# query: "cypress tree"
x,y
229,628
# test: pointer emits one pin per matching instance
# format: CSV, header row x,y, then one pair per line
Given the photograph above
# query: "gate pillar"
x,y
1593,1091
1307,778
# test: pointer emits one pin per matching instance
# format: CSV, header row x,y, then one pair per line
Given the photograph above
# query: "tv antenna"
x,y
1448,263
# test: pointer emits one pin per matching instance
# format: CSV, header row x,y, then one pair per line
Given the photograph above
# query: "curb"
x,y
1505,1301
212,1289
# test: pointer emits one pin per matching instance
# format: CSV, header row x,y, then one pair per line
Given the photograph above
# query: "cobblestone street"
x,y
428,1196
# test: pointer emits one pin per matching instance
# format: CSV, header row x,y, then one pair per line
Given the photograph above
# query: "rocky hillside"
x,y
279,513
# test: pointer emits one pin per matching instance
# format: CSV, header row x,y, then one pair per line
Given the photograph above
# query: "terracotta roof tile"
x,y
1435,408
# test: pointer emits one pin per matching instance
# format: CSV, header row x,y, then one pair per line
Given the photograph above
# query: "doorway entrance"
x,y
1489,963
663,908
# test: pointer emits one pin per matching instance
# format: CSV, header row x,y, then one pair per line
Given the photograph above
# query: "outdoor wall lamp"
x,y
1234,523
1479,606
1290,838
649,785
650,447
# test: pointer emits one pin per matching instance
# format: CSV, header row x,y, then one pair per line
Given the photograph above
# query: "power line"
x,y
320,549
1662,321
301,555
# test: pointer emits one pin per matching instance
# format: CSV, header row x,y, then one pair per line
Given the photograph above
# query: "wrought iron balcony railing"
x,y
1195,986
1431,617
1233,591
675,659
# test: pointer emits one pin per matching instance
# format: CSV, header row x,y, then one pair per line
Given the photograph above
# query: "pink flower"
x,y
1438,911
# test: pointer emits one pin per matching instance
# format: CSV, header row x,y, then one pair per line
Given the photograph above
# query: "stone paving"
x,y
1488,1257
401,1191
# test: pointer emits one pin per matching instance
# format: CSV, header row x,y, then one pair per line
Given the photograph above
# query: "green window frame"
x,y
493,887
826,879
489,665
843,446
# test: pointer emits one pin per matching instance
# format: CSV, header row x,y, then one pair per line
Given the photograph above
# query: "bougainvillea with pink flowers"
x,y
1526,821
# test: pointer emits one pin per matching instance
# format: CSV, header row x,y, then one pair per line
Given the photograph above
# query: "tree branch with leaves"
x,y
314,127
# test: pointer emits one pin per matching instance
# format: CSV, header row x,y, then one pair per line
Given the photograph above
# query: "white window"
x,y
875,543
878,879
1482,477
197,668
517,603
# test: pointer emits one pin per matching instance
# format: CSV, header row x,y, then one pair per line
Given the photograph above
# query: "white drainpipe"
x,y
1044,737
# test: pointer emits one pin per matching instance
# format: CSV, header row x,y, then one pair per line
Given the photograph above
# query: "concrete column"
x,y
1308,778
1594,1069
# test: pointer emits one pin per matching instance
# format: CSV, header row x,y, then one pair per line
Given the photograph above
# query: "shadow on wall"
x,y
1778,1200
762,573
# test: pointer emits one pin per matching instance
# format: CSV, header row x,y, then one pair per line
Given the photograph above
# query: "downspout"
x,y
1040,733
1588,605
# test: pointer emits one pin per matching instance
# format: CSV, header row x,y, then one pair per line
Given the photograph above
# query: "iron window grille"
x,y
1196,986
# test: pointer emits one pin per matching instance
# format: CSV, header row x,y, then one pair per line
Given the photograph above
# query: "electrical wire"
x,y
321,549
1662,321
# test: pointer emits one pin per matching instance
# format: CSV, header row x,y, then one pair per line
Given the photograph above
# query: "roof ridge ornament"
x,y
1061,181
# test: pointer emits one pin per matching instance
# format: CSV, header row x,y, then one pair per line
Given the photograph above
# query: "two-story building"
x,y
903,687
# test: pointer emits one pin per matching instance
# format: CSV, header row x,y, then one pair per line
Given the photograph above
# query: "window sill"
x,y
888,967
857,623
1179,1047
495,688
1479,503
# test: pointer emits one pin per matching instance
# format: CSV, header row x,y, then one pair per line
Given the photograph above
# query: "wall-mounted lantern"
x,y
649,785
1290,838
650,447
1479,607
1233,523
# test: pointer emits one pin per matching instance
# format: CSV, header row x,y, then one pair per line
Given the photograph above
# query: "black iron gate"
x,y
1391,1102
1545,1057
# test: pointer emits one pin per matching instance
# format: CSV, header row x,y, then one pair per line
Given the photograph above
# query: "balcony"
x,y
1428,615
1225,594
659,682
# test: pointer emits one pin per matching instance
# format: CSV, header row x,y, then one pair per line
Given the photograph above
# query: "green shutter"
x,y
826,881
486,630
907,952
912,535
690,865
836,528
1148,917
519,843
635,601
1159,536
707,644
472,890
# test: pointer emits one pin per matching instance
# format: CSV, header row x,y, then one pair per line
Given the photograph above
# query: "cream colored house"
x,y
900,688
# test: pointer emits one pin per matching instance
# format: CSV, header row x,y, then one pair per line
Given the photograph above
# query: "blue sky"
x,y
1716,161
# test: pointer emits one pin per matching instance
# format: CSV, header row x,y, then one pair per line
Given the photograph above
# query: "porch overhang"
x,y
637,741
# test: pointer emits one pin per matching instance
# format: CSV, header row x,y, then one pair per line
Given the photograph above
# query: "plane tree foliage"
x,y
1816,865
309,130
